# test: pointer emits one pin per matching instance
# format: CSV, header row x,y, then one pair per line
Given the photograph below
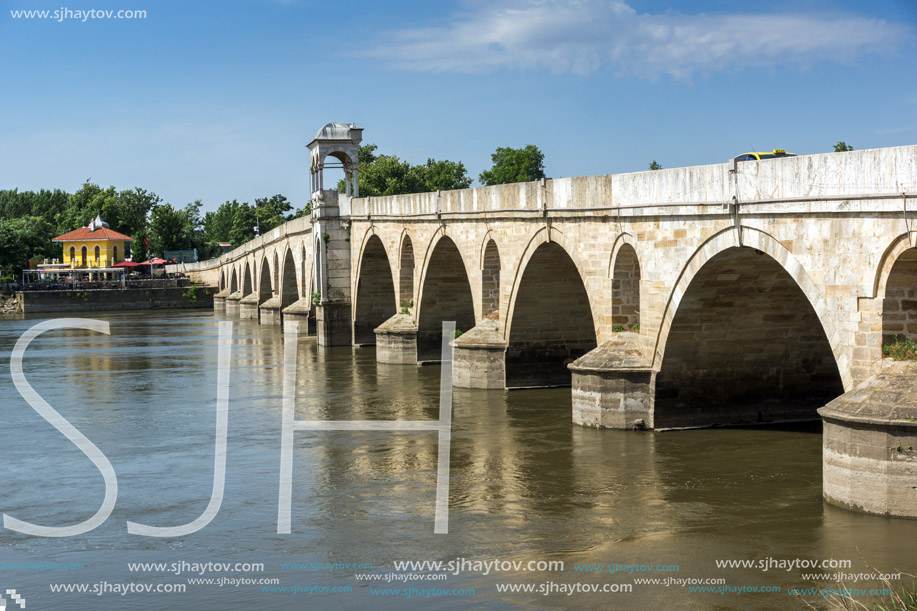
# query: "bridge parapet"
x,y
831,176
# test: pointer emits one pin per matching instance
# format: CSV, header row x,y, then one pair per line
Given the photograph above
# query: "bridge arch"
x,y
550,321
406,271
289,289
233,282
247,284
222,284
742,339
264,280
445,294
624,270
896,287
375,290
490,278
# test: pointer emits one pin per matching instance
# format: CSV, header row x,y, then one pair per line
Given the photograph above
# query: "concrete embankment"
x,y
115,299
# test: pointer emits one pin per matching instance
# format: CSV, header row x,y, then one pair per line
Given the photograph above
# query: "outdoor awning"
x,y
155,261
128,264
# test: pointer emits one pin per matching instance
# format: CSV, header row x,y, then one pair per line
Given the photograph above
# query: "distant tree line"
x,y
29,220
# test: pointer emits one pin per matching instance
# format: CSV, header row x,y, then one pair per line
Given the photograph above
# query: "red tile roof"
x,y
83,233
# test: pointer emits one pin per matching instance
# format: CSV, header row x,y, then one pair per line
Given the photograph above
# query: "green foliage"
x,y
316,297
618,328
635,327
654,165
24,238
133,212
191,293
389,175
514,165
901,349
905,601
842,147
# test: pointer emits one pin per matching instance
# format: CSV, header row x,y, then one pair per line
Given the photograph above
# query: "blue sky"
x,y
216,101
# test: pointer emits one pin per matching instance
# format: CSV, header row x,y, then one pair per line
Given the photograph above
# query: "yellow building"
x,y
93,247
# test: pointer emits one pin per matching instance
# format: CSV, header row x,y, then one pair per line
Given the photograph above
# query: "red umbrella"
x,y
127,264
155,261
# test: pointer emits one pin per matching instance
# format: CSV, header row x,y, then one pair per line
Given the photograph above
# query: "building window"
x,y
72,255
83,257
114,254
97,255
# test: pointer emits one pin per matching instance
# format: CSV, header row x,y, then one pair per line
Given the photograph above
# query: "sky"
x,y
218,100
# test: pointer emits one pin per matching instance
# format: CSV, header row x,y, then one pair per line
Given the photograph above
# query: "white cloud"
x,y
583,36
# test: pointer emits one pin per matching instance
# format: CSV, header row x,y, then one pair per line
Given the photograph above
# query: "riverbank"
x,y
9,304
191,297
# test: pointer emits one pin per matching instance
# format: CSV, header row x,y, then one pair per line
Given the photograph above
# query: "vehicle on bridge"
x,y
764,155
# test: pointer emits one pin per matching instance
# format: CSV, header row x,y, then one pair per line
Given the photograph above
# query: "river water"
x,y
526,486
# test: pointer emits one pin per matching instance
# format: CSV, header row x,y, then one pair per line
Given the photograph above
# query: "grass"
x,y
901,349
902,599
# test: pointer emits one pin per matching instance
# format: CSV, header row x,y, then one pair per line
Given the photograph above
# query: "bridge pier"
x,y
248,306
869,460
269,312
613,386
479,357
219,301
301,311
232,303
396,341
332,324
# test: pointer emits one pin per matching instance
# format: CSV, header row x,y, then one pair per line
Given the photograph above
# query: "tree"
x,y
514,165
272,211
842,147
169,229
389,175
654,165
444,175
24,238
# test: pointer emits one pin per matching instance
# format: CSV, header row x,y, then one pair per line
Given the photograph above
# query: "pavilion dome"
x,y
336,131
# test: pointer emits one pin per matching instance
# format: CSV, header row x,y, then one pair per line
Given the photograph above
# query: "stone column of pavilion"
x,y
331,231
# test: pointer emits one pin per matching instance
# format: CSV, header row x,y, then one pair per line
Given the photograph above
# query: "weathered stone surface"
x,y
870,436
333,324
269,312
396,341
303,312
613,385
478,357
248,306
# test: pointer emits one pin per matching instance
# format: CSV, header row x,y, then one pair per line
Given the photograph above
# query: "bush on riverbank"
x,y
901,349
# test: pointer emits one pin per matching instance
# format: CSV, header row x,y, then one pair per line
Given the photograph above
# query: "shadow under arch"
x,y
289,288
247,283
744,346
375,291
264,281
406,270
896,286
550,321
754,239
445,294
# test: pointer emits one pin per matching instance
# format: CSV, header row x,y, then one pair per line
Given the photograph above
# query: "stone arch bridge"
x,y
739,293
